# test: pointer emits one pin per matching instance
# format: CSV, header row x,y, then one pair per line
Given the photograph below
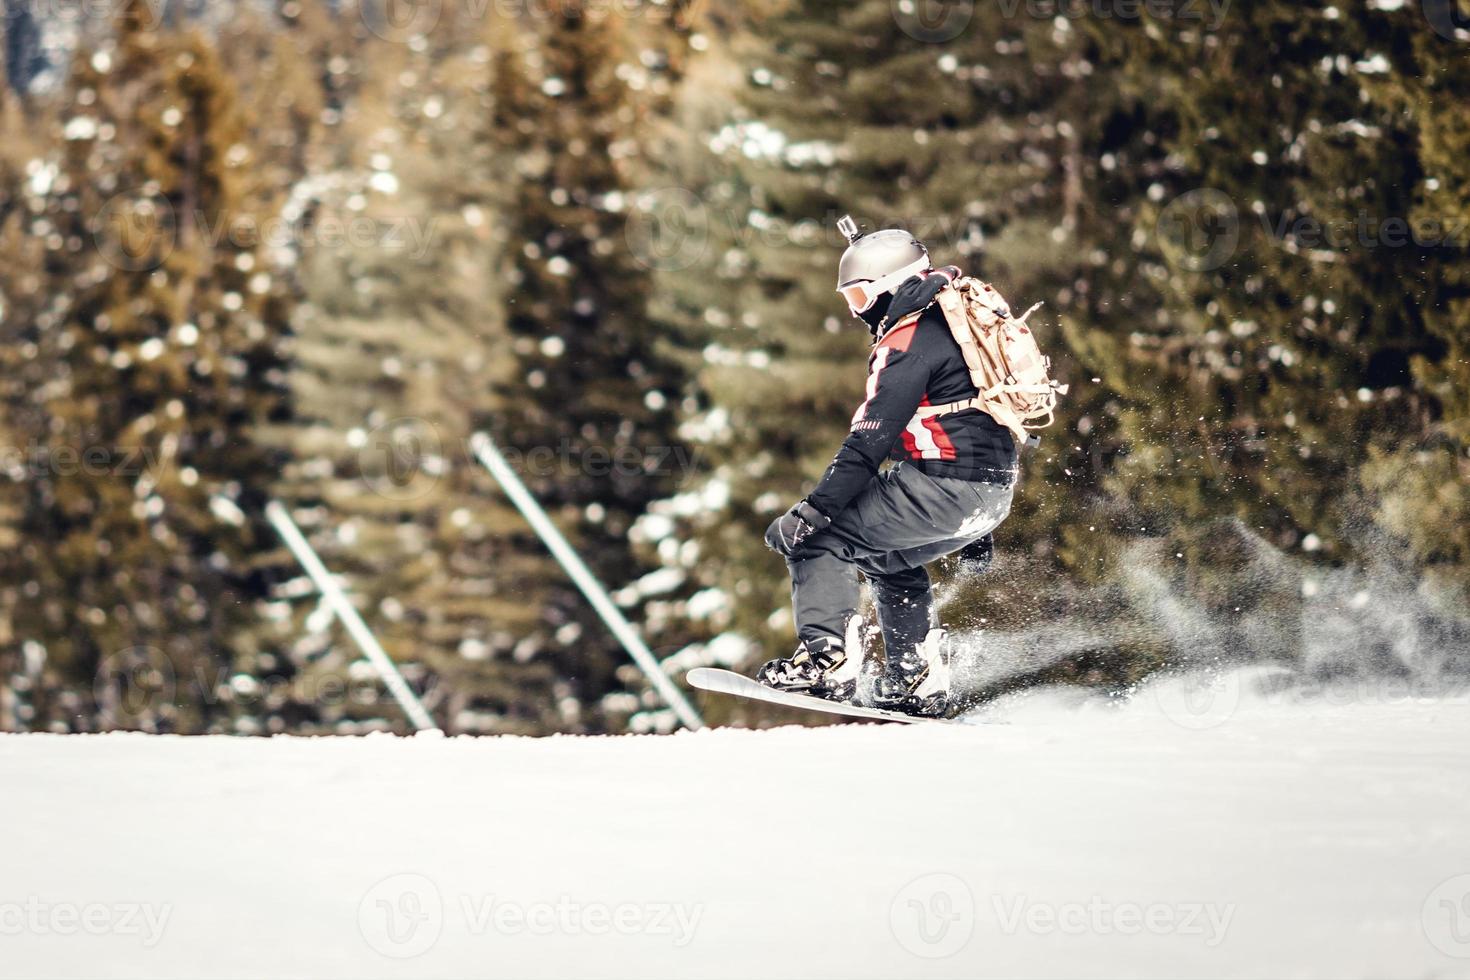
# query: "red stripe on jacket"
x,y
901,337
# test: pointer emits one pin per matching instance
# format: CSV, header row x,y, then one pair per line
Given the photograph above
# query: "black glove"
x,y
787,532
917,292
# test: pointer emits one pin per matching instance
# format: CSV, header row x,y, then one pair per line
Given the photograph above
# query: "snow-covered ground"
x,y
1261,839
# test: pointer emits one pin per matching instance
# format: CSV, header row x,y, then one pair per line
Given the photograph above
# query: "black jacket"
x,y
914,365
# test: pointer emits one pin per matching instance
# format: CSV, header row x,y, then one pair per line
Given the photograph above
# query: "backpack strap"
x,y
890,327
931,411
997,412
934,411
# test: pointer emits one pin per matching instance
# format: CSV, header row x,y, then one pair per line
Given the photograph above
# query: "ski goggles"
x,y
861,294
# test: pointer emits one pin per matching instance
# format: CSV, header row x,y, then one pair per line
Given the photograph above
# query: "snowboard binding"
x,y
812,670
918,682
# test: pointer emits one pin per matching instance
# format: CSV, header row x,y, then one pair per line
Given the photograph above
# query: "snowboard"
x,y
729,682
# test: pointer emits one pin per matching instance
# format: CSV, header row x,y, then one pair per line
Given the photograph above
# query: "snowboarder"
x,y
949,489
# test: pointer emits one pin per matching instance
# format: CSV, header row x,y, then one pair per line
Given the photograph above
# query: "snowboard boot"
x,y
918,682
816,668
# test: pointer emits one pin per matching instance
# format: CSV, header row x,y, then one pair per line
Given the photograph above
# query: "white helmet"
x,y
876,264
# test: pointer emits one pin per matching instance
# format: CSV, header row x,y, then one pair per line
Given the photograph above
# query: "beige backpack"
x,y
1006,365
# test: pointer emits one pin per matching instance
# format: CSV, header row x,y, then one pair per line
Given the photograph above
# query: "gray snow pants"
x,y
902,521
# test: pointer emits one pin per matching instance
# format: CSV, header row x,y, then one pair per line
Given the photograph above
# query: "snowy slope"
x,y
1279,840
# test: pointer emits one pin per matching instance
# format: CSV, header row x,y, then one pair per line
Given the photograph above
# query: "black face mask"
x,y
873,315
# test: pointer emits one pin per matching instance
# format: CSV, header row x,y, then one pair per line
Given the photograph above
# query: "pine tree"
x,y
1419,489
1293,352
402,345
405,351
159,352
597,385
